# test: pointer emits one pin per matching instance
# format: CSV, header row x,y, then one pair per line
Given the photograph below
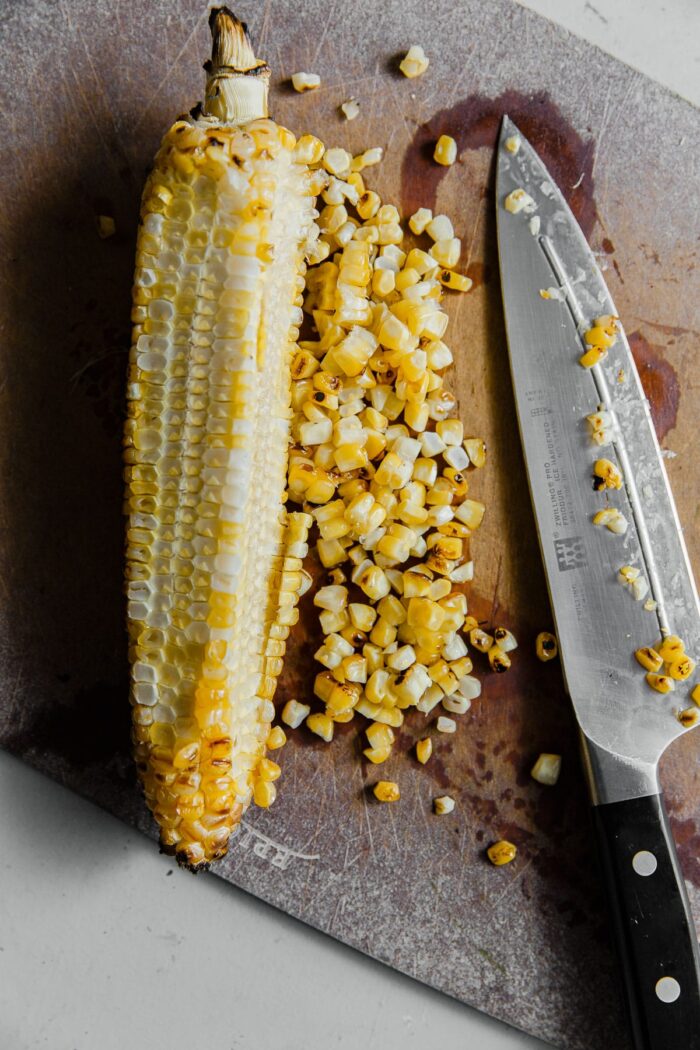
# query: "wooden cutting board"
x,y
91,88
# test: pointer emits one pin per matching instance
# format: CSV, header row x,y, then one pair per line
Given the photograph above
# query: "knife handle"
x,y
653,924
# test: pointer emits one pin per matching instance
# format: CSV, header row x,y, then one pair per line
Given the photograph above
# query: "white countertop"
x,y
105,945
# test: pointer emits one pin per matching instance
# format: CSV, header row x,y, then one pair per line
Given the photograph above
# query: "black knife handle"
x,y
653,924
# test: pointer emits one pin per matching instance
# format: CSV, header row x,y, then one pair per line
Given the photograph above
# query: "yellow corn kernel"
x,y
599,336
424,749
695,695
277,738
305,82
445,151
593,356
321,725
660,682
446,253
415,62
377,755
386,791
546,647
502,852
422,612
480,639
498,660
264,793
380,735
681,668
612,519
606,475
671,647
689,717
649,658
455,282
294,713
268,770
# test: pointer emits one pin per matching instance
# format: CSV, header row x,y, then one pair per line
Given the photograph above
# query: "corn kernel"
x,y
277,738
681,668
294,713
424,749
443,805
387,791
660,682
446,725
480,639
415,62
498,660
502,852
445,151
377,755
305,81
264,793
546,647
649,658
321,725
671,647
546,769
455,282
606,475
695,695
418,222
592,356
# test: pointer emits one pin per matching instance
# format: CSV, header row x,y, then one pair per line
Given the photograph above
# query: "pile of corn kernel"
x,y
667,663
381,462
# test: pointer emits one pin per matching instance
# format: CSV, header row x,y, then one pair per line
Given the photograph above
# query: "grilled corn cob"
x,y
213,560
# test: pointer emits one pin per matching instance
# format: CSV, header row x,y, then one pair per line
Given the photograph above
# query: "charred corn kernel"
x,y
612,519
695,695
419,220
649,658
386,791
517,201
424,749
368,205
445,151
321,725
546,647
415,62
443,805
606,475
225,219
671,647
480,639
305,81
264,793
277,738
680,668
660,682
689,717
456,282
504,639
294,713
502,852
350,109
498,660
512,143
546,769
592,356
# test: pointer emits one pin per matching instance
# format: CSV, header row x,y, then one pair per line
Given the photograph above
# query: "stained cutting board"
x,y
88,91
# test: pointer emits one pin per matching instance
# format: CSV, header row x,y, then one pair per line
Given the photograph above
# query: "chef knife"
x,y
553,290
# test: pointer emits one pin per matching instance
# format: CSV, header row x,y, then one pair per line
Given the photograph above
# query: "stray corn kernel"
x,y
445,151
502,852
695,695
456,282
517,201
321,725
277,738
424,749
689,717
386,791
294,713
606,475
660,682
671,647
106,226
631,578
681,668
592,356
480,639
264,793
350,109
512,143
612,519
546,646
546,769
649,658
443,804
446,725
504,639
305,81
415,62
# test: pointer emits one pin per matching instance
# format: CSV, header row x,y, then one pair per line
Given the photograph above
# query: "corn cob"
x,y
213,560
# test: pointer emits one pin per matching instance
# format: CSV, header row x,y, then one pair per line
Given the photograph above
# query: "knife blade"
x,y
553,290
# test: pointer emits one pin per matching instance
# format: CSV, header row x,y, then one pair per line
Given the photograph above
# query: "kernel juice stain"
x,y
659,380
474,122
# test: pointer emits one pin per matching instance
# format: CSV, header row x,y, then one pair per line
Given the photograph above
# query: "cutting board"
x,y
91,88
